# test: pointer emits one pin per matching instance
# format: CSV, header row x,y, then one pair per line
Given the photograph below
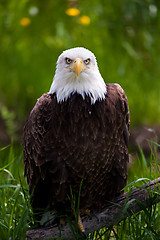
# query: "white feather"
x,y
90,81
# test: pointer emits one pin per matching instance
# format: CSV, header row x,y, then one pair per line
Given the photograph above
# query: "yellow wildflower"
x,y
25,21
73,11
85,20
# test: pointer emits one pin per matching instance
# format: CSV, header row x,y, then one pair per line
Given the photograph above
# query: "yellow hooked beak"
x,y
78,66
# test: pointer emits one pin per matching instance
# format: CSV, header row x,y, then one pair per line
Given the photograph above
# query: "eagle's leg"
x,y
62,222
81,227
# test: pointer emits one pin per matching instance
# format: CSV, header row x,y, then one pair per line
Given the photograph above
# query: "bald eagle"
x,y
77,131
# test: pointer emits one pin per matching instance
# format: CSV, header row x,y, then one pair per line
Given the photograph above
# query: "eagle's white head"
x,y
77,71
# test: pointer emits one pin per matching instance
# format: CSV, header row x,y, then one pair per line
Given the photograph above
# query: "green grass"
x,y
16,214
15,210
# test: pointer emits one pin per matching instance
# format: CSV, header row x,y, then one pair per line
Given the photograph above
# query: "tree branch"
x,y
122,207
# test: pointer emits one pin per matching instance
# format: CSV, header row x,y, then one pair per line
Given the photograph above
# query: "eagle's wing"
x,y
39,158
118,100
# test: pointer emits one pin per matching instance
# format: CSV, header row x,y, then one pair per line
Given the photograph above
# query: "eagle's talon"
x,y
84,234
90,213
95,215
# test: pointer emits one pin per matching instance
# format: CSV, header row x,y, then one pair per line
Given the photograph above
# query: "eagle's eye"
x,y
68,60
87,61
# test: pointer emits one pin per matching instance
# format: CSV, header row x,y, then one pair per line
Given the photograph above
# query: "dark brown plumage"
x,y
65,142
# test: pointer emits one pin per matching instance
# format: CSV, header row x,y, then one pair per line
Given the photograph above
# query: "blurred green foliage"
x,y
123,34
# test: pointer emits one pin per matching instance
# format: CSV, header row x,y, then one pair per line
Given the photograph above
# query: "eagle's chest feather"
x,y
84,132
78,119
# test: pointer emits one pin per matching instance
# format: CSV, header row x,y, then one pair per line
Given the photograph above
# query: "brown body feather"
x,y
74,140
